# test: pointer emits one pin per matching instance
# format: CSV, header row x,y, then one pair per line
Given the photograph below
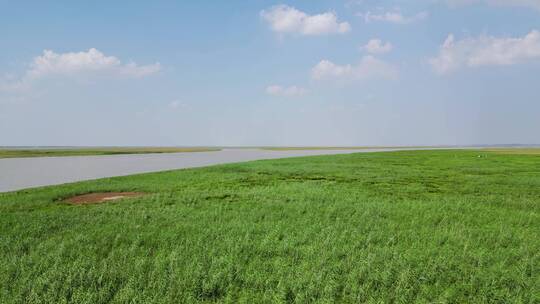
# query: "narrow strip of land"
x,y
87,151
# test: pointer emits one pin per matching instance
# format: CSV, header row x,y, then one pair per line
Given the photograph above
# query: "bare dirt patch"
x,y
101,197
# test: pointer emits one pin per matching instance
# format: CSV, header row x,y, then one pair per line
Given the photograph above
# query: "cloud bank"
x,y
394,16
485,51
535,4
292,91
377,46
286,19
76,64
51,63
369,67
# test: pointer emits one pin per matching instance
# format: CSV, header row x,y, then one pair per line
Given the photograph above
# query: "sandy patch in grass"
x,y
101,197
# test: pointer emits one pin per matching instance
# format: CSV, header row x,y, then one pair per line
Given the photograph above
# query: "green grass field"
x,y
339,148
395,227
10,153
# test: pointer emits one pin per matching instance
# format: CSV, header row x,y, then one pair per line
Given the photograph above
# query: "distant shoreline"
x,y
89,151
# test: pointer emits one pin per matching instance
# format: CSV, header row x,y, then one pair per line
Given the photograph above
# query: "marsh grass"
x,y
410,226
341,148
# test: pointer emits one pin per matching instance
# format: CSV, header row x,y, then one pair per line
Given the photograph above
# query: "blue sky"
x,y
312,72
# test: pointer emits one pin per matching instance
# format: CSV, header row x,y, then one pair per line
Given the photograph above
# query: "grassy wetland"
x,y
341,148
445,226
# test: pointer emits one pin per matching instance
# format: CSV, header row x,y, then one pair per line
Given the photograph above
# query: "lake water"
x,y
21,173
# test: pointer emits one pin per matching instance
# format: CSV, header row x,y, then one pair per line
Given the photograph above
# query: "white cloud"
x,y
376,46
522,3
328,69
82,64
51,63
486,51
368,68
394,16
286,19
292,91
177,104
